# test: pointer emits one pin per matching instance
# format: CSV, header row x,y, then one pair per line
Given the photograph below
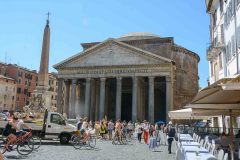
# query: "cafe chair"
x,y
220,154
225,156
201,142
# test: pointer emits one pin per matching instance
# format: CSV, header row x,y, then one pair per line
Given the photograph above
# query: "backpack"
x,y
79,125
172,132
7,130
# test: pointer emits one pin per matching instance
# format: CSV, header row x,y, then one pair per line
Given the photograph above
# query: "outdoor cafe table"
x,y
185,137
201,156
186,143
189,153
193,149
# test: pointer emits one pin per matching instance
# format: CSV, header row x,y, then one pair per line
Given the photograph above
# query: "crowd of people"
x,y
149,132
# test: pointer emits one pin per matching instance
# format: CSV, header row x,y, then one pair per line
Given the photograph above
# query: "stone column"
x,y
87,97
169,94
73,99
82,100
151,99
134,99
60,96
119,98
66,102
97,99
92,100
77,100
102,97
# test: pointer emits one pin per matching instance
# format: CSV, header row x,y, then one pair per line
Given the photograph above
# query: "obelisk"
x,y
43,70
41,97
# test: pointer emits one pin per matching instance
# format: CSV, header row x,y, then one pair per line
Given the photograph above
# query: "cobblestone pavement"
x,y
104,150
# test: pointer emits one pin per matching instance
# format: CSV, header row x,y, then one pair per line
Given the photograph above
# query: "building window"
x,y
214,18
25,91
13,98
6,88
26,82
221,5
211,65
29,83
238,2
19,90
233,46
20,74
222,34
220,60
19,81
229,51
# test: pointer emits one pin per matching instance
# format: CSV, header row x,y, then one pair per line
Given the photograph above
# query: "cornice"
x,y
118,67
186,51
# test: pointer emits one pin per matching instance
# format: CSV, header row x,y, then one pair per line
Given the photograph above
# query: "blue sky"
x,y
76,21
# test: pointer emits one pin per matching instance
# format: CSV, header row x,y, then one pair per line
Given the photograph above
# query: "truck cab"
x,y
56,126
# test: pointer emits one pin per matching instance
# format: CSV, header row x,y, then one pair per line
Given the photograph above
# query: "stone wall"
x,y
186,78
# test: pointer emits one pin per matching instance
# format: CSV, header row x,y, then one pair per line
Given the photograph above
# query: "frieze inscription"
x,y
112,71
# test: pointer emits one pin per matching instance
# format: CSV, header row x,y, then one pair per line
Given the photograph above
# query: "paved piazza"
x,y
104,151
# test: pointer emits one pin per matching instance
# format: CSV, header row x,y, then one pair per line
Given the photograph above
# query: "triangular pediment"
x,y
112,53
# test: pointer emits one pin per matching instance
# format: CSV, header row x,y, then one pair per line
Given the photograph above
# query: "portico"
x,y
117,81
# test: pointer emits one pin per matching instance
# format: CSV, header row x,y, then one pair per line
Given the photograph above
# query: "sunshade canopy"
x,y
220,98
187,113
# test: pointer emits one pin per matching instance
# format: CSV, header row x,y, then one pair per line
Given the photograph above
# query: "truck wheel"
x,y
64,139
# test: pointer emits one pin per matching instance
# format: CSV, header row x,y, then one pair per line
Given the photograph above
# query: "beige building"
x,y
7,93
135,77
53,87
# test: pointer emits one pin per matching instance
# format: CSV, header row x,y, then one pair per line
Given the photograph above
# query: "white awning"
x,y
187,113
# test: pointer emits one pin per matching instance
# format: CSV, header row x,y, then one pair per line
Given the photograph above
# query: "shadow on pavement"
x,y
157,151
89,149
15,157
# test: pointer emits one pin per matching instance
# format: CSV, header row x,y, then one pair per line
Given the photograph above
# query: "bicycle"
x,y
24,144
78,142
121,139
36,139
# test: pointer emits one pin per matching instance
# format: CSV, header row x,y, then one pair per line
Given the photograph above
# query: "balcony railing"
x,y
214,48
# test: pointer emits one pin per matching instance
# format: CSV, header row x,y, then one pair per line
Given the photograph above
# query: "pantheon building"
x,y
134,77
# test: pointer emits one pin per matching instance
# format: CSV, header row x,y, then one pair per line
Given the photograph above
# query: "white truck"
x,y
54,126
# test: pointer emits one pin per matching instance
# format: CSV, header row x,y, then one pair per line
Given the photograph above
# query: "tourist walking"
x,y
97,128
171,134
103,129
145,131
110,129
139,131
130,129
152,138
